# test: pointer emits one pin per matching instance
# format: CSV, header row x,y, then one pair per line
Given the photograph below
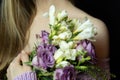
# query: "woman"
x,y
21,19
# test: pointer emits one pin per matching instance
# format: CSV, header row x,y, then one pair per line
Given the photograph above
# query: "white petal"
x,y
62,64
63,45
84,26
58,54
51,14
62,15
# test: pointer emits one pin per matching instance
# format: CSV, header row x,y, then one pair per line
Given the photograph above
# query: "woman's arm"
x,y
102,43
102,46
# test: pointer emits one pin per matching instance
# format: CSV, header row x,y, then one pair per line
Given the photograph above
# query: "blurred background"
x,y
109,12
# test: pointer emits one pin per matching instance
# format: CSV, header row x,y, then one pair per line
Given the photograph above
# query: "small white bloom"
x,y
65,35
76,23
71,44
62,15
88,33
71,54
52,14
55,37
63,23
63,46
62,64
62,29
84,26
58,54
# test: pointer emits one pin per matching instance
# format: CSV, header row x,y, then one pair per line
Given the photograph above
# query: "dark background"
x,y
109,12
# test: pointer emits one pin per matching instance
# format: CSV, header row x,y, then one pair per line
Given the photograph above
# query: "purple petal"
x,y
45,36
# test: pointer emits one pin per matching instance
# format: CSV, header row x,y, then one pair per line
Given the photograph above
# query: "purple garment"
x,y
27,76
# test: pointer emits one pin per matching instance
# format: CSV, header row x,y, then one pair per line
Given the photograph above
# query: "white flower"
x,y
59,55
63,27
62,15
71,44
71,54
62,64
65,35
62,36
63,23
65,46
68,52
76,23
88,33
83,26
52,14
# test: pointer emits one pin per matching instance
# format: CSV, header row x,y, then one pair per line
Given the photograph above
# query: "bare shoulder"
x,y
102,39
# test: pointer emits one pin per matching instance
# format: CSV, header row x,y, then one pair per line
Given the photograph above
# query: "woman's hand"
x,y
15,68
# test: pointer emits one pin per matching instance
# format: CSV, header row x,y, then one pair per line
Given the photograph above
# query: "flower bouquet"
x,y
66,51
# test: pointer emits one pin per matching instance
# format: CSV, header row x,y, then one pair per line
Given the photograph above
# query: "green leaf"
x,y
28,63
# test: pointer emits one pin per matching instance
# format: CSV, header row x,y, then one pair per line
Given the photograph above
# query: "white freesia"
x,y
65,35
62,15
62,36
65,46
63,23
84,26
71,44
65,52
62,64
52,14
88,33
76,23
70,54
62,29
59,55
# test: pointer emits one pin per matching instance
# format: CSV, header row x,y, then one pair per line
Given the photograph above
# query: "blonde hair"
x,y
15,16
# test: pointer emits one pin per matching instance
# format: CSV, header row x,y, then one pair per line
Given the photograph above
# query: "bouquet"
x,y
66,51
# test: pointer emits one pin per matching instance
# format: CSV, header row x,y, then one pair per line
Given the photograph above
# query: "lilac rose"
x,y
66,73
89,47
44,58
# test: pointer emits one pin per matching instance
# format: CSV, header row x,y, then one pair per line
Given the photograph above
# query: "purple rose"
x,y
89,47
44,57
67,73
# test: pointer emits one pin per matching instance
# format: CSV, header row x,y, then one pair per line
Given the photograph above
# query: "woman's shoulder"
x,y
99,24
102,32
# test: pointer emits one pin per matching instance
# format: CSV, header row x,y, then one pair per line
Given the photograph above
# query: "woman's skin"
x,y
15,67
41,23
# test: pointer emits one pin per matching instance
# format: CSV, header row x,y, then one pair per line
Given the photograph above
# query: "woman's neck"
x,y
43,5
